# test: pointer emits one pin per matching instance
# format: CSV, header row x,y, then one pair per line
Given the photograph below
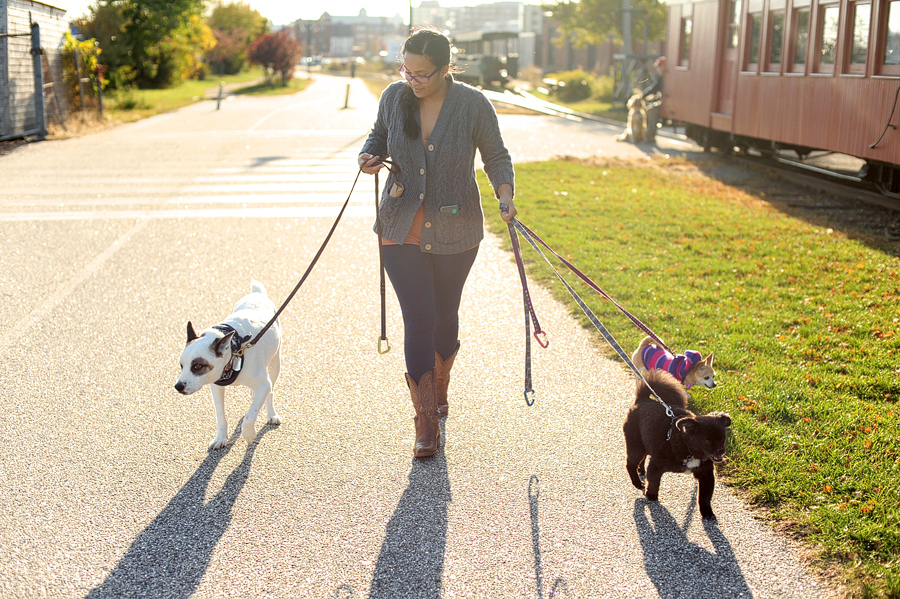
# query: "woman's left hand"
x,y
510,212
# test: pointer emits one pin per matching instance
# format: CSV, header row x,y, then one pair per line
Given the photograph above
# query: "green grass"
x,y
133,105
589,106
803,321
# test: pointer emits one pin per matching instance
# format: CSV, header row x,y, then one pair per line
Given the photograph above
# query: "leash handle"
x,y
384,346
530,315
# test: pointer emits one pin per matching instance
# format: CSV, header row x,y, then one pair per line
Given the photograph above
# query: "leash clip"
x,y
529,397
387,343
542,339
240,353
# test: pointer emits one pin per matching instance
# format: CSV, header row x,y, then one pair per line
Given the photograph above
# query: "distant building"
x,y
17,106
498,28
349,37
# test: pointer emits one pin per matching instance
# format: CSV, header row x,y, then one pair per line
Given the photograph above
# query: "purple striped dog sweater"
x,y
656,358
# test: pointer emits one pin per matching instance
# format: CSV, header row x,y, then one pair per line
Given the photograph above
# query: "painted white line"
x,y
309,187
19,329
284,178
286,212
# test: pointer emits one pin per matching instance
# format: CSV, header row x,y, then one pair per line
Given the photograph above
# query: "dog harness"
x,y
233,369
656,358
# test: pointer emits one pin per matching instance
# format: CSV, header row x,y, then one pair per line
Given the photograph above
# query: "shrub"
x,y
574,86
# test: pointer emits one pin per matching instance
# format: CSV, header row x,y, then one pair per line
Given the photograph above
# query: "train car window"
x,y
891,56
685,50
776,40
801,40
733,36
859,42
755,25
828,36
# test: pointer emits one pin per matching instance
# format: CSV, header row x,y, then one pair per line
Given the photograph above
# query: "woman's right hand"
x,y
369,164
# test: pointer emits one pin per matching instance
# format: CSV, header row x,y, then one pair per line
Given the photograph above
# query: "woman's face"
x,y
421,67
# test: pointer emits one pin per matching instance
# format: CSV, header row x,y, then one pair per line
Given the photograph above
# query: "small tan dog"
x,y
636,125
691,368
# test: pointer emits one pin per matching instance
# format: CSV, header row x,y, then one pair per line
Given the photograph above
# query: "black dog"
x,y
687,442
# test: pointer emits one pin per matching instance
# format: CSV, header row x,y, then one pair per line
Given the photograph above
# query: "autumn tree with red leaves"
x,y
276,53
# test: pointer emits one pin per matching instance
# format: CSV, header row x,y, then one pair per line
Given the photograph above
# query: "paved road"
x,y
111,242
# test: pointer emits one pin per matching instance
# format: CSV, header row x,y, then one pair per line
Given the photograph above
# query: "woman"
x,y
431,221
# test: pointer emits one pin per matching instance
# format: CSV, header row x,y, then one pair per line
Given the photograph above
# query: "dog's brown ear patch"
x,y
191,334
220,344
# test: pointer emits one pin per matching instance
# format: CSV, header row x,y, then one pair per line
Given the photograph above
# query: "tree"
x,y
105,24
276,53
593,21
235,25
153,29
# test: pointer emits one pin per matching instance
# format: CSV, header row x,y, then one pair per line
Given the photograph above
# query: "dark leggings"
x,y
428,287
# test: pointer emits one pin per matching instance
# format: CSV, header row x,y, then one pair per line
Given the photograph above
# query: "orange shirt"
x,y
414,237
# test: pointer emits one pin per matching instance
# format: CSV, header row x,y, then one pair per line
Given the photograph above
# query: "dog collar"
x,y
233,368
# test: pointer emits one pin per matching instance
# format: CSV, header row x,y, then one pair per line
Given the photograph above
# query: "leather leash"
x,y
529,312
240,352
394,169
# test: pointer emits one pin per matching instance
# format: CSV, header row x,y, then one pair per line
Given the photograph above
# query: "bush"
x,y
574,86
605,88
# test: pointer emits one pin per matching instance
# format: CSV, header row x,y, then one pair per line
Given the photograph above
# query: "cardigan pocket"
x,y
397,189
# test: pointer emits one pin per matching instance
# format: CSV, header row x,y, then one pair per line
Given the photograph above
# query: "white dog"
x,y
210,359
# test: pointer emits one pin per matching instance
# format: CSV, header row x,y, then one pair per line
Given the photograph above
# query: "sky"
x,y
281,12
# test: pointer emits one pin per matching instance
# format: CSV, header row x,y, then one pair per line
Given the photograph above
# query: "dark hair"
x,y
435,46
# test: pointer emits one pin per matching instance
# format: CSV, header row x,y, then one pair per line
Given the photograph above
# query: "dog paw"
x,y
218,443
248,431
276,419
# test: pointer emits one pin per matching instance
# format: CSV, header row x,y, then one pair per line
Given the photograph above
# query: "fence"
x,y
41,86
20,112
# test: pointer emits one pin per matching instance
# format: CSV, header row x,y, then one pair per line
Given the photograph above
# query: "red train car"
x,y
789,74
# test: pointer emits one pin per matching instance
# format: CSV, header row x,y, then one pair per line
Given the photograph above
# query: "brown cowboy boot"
x,y
428,428
442,379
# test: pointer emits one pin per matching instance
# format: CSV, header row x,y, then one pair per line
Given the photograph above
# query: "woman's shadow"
x,y
411,560
681,569
169,558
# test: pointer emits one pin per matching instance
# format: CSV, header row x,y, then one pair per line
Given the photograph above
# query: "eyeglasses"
x,y
417,78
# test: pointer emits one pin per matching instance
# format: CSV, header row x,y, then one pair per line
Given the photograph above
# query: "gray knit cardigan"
x,y
440,174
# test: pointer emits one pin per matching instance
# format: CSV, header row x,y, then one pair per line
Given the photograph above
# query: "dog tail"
x,y
667,386
645,342
257,287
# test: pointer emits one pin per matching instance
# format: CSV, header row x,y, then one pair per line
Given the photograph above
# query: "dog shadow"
x,y
411,560
534,493
169,558
681,569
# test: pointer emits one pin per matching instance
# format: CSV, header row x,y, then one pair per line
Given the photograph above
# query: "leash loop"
x,y
393,169
530,316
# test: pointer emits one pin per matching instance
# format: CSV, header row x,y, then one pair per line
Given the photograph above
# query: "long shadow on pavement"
x,y
171,555
411,561
683,570
534,494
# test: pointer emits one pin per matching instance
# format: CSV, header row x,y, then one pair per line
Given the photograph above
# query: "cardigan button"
x,y
431,147
428,225
421,196
421,171
428,247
